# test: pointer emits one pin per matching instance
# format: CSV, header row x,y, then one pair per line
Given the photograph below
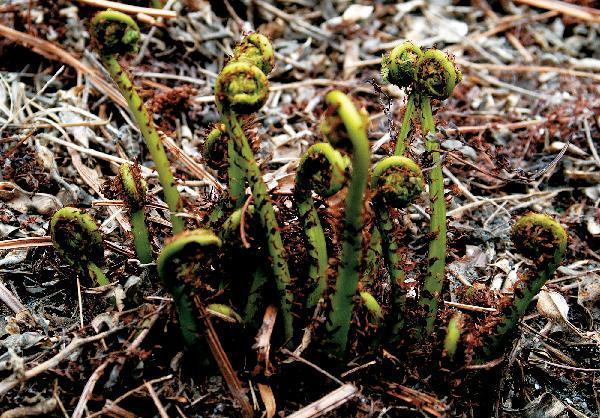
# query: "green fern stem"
x,y
322,169
397,182
453,335
264,205
434,279
117,34
401,142
344,126
143,248
133,190
235,176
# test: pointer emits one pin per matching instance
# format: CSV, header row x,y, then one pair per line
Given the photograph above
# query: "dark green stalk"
x,y
372,306
322,169
133,188
231,234
78,240
542,239
397,182
344,126
117,34
241,89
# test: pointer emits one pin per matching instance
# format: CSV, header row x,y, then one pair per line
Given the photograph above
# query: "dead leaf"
x,y
266,394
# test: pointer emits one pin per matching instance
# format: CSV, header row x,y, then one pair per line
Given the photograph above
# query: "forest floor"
x,y
521,132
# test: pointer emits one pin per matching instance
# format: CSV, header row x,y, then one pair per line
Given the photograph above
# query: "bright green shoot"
x,y
346,128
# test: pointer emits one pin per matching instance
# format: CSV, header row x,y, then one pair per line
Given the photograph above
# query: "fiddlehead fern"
x,y
214,151
78,240
542,239
257,50
345,127
397,182
436,76
399,67
240,89
117,34
322,169
178,266
133,191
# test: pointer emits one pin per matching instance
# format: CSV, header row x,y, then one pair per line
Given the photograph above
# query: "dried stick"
x,y
327,403
161,409
129,9
229,374
584,13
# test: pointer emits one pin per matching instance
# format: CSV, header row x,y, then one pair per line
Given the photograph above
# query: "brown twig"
x,y
159,406
263,342
11,244
311,364
11,300
327,403
584,13
225,367
129,9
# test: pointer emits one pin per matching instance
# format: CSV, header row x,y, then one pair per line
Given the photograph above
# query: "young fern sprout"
x,y
78,240
322,169
177,274
133,191
177,266
369,301
543,240
436,78
345,127
453,335
255,49
116,34
399,68
397,182
241,89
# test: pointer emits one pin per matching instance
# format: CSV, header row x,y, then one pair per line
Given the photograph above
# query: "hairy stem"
x,y
143,248
342,301
401,141
434,280
151,138
264,206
